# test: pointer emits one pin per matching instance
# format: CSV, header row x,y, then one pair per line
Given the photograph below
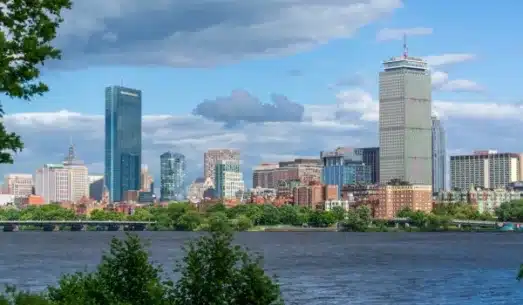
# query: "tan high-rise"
x,y
213,157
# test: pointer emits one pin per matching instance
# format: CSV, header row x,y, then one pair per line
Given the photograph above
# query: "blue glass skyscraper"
x,y
172,176
344,166
123,141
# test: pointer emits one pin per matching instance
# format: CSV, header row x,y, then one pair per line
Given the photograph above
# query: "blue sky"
x,y
321,58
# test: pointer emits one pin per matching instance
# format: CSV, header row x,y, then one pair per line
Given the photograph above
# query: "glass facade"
x,y
172,176
345,166
123,141
439,156
371,157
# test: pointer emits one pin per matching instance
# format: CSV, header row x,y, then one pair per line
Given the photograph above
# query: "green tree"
x,y
214,272
289,215
141,214
243,223
219,207
339,213
124,277
15,297
189,221
218,222
28,28
270,215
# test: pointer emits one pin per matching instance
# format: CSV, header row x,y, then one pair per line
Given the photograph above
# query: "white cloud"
x,y
398,34
203,32
461,85
448,59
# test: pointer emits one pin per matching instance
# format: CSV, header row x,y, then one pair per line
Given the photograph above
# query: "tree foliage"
x,y
28,28
510,211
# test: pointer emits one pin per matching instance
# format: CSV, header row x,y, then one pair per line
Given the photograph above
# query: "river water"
x,y
313,267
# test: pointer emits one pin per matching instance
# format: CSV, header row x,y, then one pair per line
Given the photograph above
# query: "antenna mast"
x,y
405,48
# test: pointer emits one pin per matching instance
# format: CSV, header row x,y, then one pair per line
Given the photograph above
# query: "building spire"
x,y
405,48
71,155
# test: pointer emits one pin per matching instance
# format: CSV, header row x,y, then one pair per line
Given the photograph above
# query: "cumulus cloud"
x,y
441,82
206,32
241,106
398,34
448,59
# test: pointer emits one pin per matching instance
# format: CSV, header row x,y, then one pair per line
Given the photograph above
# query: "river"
x,y
313,267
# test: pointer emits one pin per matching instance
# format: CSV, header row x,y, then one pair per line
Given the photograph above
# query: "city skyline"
x,y
333,88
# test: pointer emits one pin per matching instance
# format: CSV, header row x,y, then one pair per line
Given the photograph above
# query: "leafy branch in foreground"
x,y
26,32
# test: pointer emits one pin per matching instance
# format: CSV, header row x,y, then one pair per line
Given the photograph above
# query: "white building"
x,y
228,179
197,189
405,123
7,199
68,181
487,169
331,204
19,185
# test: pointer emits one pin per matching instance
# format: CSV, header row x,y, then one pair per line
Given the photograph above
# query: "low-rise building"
x,y
394,198
331,204
486,200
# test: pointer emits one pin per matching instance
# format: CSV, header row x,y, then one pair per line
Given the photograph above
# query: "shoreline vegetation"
x,y
181,216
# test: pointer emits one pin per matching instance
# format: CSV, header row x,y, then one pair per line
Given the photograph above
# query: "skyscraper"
x,y
371,158
123,141
213,157
229,179
405,121
439,156
172,176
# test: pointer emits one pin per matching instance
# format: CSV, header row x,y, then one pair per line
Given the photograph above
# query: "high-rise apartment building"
x,y
123,141
405,121
68,181
487,169
228,179
371,158
439,156
213,157
172,176
19,185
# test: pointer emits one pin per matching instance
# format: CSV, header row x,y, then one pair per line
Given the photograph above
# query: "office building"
x,y
213,157
123,141
229,179
371,158
146,180
344,166
66,182
96,187
439,156
172,176
275,175
485,169
19,185
405,124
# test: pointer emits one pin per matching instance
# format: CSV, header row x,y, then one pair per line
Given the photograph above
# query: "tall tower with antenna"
x,y
405,124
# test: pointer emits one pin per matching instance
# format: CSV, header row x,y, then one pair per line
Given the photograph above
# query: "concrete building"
x,y
344,166
172,176
198,188
314,194
405,124
7,199
486,200
19,185
229,179
371,158
123,141
213,157
394,198
439,156
361,194
271,175
68,181
146,180
331,204
485,169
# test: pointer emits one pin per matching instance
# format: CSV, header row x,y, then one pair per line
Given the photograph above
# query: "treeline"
x,y
213,271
